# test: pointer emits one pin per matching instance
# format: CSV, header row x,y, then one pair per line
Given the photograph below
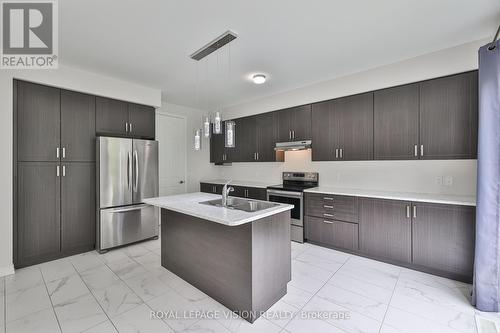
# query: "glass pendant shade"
x,y
230,134
197,139
217,123
206,126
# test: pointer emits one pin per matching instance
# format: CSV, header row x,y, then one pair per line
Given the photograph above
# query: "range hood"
x,y
293,145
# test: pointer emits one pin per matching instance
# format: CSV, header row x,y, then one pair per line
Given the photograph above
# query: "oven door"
x,y
291,198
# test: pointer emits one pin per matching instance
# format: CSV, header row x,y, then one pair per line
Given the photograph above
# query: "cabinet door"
x,y
300,123
443,237
38,122
266,136
38,212
353,117
396,123
385,229
245,140
239,191
217,148
257,193
77,207
448,117
207,188
77,126
323,134
111,116
284,118
142,121
330,232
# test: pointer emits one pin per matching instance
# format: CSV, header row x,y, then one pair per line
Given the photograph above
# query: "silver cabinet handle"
x,y
290,134
408,211
416,150
136,183
336,153
341,153
327,215
414,211
64,171
57,152
327,198
254,156
328,206
57,171
130,127
126,126
64,152
327,222
129,170
293,134
257,156
421,150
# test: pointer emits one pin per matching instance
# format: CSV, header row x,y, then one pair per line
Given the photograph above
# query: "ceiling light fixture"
x,y
259,78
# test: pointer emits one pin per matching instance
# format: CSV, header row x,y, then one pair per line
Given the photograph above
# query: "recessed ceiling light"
x,y
259,78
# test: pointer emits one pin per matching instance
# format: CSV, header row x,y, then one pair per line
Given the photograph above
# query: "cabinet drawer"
x,y
337,207
331,232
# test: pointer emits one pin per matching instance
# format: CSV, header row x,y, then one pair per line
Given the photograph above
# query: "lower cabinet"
x,y
335,233
211,188
385,228
256,193
55,210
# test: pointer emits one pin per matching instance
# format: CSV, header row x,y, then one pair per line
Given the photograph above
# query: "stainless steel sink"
x,y
241,204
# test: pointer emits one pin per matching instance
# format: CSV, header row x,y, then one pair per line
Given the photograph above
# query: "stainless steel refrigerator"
x,y
127,173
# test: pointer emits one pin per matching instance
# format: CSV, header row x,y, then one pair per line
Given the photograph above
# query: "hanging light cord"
x,y
492,45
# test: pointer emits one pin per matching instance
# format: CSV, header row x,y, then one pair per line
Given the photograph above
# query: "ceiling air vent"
x,y
214,45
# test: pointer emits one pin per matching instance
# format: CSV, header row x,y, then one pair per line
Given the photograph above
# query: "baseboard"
x,y
7,270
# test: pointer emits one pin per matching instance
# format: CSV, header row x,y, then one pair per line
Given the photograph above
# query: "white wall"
x,y
412,176
64,77
198,166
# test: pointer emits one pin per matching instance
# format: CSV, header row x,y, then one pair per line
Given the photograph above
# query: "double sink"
x,y
241,204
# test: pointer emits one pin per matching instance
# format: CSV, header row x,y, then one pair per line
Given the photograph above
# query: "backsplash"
x,y
443,176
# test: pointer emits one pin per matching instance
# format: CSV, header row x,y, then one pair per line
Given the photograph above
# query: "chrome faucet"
x,y
225,192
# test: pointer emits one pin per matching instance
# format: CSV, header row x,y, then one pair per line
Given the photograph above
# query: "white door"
x,y
171,135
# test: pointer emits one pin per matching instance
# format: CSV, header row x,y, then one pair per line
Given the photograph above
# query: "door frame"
x,y
159,113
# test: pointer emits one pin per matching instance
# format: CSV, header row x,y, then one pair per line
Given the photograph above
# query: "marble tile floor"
x,y
330,291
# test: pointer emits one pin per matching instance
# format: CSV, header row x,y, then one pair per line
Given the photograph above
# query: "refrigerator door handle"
x,y
136,182
129,170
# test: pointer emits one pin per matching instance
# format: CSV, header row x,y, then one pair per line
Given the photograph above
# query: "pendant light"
x,y
229,141
206,126
217,123
197,139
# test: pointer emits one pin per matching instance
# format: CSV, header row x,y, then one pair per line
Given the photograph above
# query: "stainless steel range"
x,y
292,192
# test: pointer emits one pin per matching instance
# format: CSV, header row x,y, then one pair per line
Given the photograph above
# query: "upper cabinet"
x,y
448,117
395,116
343,129
266,138
120,118
245,140
294,124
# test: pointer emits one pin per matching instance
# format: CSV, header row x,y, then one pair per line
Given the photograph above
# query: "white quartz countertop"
x,y
449,199
246,183
189,204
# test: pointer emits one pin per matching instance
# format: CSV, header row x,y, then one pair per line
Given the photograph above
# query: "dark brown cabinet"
x,y
294,124
38,213
443,237
142,121
448,117
338,234
77,207
77,127
211,188
256,193
266,138
396,119
219,153
343,129
38,121
245,140
114,117
385,229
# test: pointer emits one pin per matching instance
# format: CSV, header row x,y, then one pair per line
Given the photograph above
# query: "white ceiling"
x,y
295,42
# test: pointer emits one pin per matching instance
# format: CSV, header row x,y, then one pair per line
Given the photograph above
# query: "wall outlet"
x,y
439,180
448,181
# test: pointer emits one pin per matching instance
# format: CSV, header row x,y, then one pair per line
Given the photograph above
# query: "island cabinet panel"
x,y
448,117
333,233
77,127
395,128
294,124
38,122
385,229
353,118
246,268
443,237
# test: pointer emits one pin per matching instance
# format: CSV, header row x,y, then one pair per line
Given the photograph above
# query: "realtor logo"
x,y
29,34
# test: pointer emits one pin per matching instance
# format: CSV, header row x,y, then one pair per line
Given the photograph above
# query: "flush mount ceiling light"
x,y
259,78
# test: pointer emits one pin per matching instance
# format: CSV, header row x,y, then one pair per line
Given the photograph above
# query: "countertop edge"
x,y
416,197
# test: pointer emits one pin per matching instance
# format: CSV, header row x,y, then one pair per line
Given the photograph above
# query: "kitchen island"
x,y
240,258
